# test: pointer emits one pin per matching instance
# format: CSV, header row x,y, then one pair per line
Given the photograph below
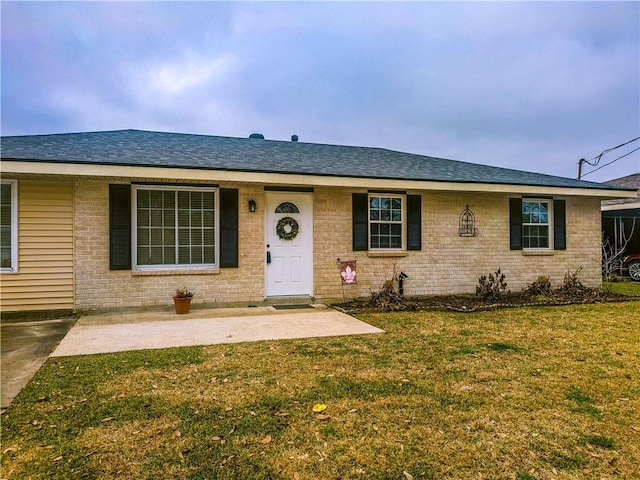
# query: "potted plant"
x,y
182,300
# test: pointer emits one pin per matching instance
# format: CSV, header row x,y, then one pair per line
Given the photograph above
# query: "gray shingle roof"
x,y
177,150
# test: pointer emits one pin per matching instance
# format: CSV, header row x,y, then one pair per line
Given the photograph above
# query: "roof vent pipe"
x,y
257,135
294,138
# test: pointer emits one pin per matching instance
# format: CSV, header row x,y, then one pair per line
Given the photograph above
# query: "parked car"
x,y
632,263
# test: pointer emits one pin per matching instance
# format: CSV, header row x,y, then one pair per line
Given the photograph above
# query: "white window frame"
x,y
403,222
549,224
14,227
176,266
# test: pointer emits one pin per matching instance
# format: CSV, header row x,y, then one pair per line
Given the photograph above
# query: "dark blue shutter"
x,y
414,222
360,218
559,225
228,228
515,223
119,227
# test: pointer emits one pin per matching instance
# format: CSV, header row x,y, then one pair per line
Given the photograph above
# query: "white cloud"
x,y
175,78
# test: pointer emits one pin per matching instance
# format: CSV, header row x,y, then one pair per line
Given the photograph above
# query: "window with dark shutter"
x,y
360,218
515,223
119,227
228,228
414,222
559,225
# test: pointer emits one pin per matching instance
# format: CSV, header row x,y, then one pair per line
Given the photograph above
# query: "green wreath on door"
x,y
287,228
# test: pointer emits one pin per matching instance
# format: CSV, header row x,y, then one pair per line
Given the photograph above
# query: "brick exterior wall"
x,y
447,262
97,287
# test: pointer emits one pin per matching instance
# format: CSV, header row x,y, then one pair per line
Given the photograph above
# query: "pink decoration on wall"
x,y
348,272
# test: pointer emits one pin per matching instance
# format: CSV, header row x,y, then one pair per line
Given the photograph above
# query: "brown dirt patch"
x,y
390,301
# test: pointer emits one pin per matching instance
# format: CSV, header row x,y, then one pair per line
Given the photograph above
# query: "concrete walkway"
x,y
25,347
140,331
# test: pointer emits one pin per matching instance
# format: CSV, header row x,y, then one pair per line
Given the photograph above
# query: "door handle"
x,y
268,256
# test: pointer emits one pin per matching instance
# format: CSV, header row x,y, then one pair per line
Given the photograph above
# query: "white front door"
x,y
289,244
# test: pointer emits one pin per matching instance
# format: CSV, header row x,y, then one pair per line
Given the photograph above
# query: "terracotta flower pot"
x,y
182,304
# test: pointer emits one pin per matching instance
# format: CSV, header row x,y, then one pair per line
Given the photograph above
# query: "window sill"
x,y
538,253
175,271
382,254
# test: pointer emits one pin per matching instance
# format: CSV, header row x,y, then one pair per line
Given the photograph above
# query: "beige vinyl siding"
x,y
44,280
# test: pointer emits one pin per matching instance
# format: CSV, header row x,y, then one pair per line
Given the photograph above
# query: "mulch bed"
x,y
386,301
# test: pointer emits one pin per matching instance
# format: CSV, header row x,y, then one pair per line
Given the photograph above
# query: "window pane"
x,y
196,201
208,236
169,255
143,236
385,222
535,216
5,214
196,237
5,193
169,217
196,219
184,255
183,218
7,224
544,213
183,200
156,218
170,237
5,257
155,199
143,218
156,255
157,239
143,199
287,207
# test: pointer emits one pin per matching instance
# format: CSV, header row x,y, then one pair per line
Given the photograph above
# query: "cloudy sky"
x,y
531,86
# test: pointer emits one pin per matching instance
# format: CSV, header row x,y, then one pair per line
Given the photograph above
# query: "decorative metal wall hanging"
x,y
467,224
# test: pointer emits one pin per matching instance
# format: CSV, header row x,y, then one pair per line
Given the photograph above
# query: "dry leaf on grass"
x,y
266,440
319,407
408,475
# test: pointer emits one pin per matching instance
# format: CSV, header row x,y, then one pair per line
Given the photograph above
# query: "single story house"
x,y
123,218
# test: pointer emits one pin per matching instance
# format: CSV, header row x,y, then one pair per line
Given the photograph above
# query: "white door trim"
x,y
290,272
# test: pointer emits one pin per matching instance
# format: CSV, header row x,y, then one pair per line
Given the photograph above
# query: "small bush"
x,y
387,298
572,287
542,286
492,286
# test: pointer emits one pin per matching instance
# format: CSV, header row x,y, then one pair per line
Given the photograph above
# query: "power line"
x,y
612,161
597,158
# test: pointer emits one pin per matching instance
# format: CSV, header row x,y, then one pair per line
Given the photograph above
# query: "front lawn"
x,y
526,393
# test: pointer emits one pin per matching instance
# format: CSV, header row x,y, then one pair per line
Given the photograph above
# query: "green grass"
x,y
529,393
624,288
